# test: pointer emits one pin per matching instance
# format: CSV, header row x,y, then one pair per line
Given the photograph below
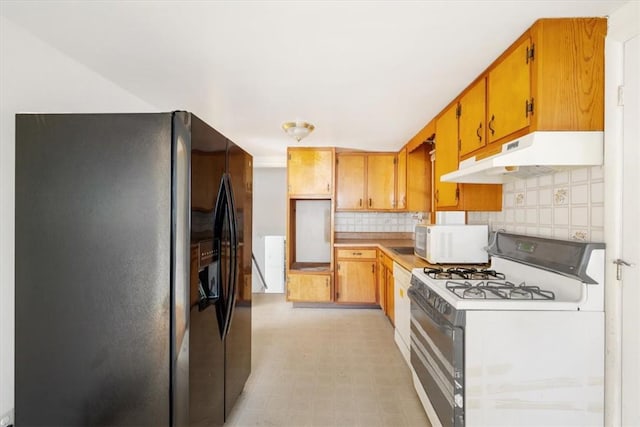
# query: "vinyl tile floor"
x,y
325,367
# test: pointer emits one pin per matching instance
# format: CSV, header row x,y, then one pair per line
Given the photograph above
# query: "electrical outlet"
x,y
6,420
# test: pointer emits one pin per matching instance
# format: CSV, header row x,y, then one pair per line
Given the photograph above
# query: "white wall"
x,y
36,78
269,211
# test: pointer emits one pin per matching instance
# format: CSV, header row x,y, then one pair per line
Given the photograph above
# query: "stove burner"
x,y
474,292
497,290
464,273
487,274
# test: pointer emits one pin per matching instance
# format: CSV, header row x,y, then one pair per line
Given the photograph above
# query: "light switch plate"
x,y
6,420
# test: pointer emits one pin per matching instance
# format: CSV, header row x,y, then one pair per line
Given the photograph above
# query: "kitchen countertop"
x,y
409,262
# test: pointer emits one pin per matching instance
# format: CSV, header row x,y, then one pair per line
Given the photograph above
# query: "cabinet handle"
x,y
493,118
356,253
373,268
360,203
328,187
437,196
478,132
369,202
326,282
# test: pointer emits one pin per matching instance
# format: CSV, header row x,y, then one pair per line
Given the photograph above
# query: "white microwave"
x,y
452,244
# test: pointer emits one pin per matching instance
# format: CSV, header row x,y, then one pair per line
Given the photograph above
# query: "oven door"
x,y
437,357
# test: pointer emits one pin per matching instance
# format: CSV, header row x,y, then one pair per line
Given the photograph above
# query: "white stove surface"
x,y
570,294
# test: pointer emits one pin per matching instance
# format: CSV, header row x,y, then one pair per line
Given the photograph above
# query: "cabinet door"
x,y
309,287
446,157
419,184
401,180
350,178
381,181
472,117
310,172
508,92
382,281
356,282
390,295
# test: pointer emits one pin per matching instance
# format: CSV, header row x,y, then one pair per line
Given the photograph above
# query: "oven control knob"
x,y
458,400
441,305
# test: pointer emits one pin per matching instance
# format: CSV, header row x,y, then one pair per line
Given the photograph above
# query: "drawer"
x,y
356,253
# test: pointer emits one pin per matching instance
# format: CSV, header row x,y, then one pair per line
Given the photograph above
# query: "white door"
x,y
631,236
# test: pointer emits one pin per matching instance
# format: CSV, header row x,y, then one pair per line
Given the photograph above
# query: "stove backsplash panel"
x,y
564,205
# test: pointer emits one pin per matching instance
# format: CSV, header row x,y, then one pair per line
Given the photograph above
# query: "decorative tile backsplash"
x,y
564,205
375,222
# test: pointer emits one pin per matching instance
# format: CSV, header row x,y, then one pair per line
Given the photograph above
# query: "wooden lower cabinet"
x,y
385,285
356,276
309,287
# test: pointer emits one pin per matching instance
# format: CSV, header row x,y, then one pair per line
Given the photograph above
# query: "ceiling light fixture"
x,y
298,129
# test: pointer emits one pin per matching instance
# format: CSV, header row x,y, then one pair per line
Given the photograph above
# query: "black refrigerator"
x,y
133,273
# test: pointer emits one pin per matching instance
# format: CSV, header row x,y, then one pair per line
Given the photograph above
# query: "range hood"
x,y
537,153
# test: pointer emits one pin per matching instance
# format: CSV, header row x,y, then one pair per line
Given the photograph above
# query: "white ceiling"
x,y
367,74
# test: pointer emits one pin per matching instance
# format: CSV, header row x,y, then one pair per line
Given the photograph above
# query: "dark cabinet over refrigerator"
x,y
133,274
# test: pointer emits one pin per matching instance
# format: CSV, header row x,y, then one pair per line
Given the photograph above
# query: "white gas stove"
x,y
510,285
519,342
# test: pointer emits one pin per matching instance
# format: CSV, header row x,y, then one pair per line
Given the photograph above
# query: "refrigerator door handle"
x,y
220,253
233,250
233,258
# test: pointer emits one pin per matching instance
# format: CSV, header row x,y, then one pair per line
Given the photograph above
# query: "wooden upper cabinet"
x,y
509,92
310,172
419,169
551,78
401,180
567,74
350,181
419,179
447,193
472,118
381,181
365,181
